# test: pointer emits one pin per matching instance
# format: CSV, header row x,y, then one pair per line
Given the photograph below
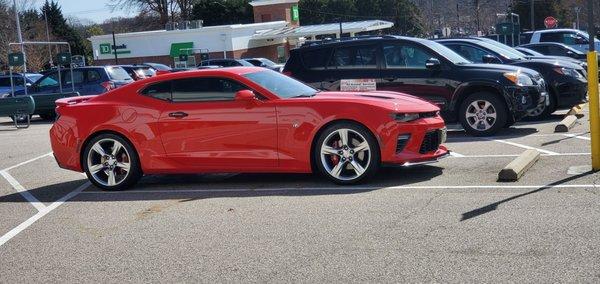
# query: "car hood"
x,y
499,68
555,62
391,100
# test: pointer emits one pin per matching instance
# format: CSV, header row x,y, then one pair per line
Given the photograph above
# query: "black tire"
x,y
356,134
48,116
548,110
135,169
480,129
20,118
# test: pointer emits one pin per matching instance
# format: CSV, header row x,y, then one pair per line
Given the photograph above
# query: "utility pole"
x,y
48,39
114,48
457,19
592,60
532,13
577,10
19,35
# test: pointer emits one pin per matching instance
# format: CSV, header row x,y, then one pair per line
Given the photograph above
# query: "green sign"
x,y
105,48
505,28
16,59
63,58
295,13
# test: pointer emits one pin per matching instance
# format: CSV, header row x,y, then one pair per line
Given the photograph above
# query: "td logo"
x,y
105,48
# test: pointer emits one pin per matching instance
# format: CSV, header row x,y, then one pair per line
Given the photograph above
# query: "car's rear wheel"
x,y
346,153
483,114
111,163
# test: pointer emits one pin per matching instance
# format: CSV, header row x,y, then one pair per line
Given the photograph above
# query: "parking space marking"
x,y
12,233
456,155
515,155
27,162
577,136
524,146
349,189
20,189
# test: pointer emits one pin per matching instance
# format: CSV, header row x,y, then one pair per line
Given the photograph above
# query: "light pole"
x,y
19,35
48,38
577,10
532,15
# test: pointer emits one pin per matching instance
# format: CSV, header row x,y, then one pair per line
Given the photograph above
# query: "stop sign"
x,y
550,22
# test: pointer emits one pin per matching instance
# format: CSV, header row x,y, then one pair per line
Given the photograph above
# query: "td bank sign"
x,y
107,48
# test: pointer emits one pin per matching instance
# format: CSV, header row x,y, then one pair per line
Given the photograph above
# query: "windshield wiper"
x,y
310,95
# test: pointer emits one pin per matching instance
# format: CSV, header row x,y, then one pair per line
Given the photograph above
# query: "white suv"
x,y
574,38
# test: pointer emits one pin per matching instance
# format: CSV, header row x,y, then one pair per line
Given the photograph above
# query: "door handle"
x,y
179,114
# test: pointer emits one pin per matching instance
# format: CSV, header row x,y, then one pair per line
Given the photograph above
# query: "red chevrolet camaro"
x,y
243,119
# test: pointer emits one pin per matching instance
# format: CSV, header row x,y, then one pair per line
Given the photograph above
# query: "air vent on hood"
x,y
377,97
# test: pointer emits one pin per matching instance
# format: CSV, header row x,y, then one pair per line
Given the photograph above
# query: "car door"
x,y
404,71
74,84
93,82
48,84
351,64
204,127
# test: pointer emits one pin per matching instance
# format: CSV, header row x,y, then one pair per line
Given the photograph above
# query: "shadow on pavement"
x,y
230,185
491,207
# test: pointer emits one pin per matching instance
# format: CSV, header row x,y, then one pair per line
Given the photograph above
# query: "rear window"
x,y
145,71
316,59
117,73
526,37
355,57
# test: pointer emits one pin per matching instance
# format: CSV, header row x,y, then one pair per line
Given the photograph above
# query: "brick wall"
x,y
276,12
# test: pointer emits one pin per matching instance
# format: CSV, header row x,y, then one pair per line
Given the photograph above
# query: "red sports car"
x,y
241,119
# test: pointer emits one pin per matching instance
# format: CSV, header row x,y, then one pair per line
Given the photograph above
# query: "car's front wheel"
x,y
483,114
346,153
111,163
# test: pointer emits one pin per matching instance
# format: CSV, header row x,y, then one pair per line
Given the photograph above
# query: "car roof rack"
x,y
344,39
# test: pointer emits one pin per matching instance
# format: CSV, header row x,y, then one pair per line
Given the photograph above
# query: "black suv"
x,y
484,98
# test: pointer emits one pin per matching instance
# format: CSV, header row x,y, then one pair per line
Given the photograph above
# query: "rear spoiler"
x,y
72,100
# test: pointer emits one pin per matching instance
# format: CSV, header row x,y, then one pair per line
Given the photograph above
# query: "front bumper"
x,y
525,99
570,92
414,143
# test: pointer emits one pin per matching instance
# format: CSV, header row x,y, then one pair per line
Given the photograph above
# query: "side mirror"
x,y
433,64
245,95
489,59
571,54
28,85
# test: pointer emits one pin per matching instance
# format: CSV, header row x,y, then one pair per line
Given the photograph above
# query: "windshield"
x,y
33,77
447,53
159,66
504,52
504,46
118,73
245,63
281,85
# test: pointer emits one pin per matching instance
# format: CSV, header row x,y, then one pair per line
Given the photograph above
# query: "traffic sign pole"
x,y
594,104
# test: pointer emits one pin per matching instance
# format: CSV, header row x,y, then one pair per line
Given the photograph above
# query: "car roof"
x,y
558,30
237,70
360,39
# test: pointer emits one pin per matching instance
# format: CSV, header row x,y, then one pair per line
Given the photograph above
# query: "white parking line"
x,y
578,136
456,155
20,189
524,146
515,155
214,190
12,233
27,162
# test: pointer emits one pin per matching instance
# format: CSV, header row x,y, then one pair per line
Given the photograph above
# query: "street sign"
x,y
63,58
505,28
16,59
295,13
550,22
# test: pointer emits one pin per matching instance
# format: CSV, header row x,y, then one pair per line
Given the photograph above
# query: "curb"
x,y
567,123
515,169
576,111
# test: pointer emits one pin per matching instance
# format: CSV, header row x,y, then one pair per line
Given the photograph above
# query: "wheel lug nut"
x,y
351,151
340,152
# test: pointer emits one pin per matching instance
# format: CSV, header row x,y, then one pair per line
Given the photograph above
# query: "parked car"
x,y
576,39
528,51
92,80
567,83
139,72
243,119
226,62
556,49
266,63
159,67
18,83
484,98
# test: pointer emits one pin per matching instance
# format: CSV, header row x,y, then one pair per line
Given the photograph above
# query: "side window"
x,y
205,89
316,59
471,53
552,37
49,81
93,76
543,49
355,57
77,77
161,91
406,56
556,50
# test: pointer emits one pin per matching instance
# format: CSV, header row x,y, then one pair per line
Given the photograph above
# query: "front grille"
x,y
431,142
428,114
401,142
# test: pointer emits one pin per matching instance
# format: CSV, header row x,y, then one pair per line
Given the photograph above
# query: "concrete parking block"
x,y
515,169
567,123
576,111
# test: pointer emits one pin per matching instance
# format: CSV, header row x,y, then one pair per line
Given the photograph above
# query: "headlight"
x,y
568,72
406,117
519,78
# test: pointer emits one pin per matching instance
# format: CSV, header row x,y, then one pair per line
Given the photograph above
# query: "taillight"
x,y
108,85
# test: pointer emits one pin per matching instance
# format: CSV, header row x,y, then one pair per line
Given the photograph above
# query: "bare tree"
x,y
165,9
185,8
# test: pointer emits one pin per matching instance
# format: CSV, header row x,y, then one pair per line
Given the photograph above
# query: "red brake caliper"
x,y
335,159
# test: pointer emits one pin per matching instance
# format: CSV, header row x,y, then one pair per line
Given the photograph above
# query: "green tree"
x,y
62,31
228,12
542,9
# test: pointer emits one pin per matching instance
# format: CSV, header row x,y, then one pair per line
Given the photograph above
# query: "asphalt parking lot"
x,y
447,222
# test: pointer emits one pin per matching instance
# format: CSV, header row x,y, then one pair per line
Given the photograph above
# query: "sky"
x,y
94,10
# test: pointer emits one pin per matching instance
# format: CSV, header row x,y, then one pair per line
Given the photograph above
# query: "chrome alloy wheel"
x,y
108,162
345,154
481,115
